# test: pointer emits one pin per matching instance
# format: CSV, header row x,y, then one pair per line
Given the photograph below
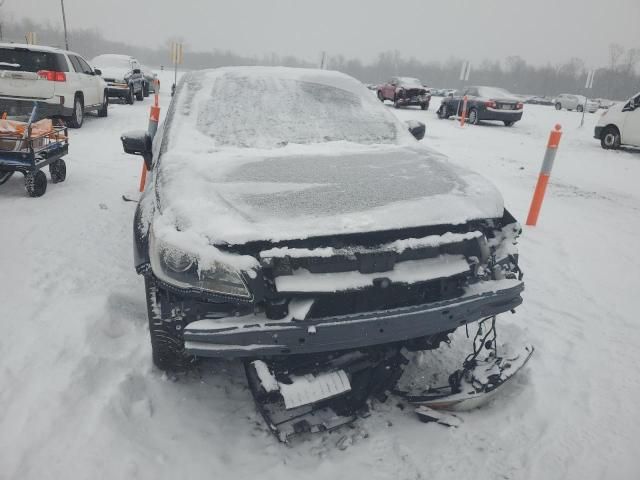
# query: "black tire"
x,y
424,106
58,171
380,96
580,108
103,111
610,138
558,106
396,103
443,112
508,123
131,97
145,89
77,117
140,95
473,116
167,340
35,183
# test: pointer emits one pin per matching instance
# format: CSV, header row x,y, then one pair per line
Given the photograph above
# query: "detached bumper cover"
x,y
255,337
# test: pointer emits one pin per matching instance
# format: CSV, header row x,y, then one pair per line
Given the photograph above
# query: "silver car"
x,y
575,102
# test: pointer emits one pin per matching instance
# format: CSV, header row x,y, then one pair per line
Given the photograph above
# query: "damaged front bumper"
x,y
256,336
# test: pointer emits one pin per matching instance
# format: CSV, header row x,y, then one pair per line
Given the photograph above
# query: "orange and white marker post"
x,y
463,115
154,119
545,173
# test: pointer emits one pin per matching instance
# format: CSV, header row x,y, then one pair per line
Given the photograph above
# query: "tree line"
x,y
617,80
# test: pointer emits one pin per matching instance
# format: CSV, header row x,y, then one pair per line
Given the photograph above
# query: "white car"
x,y
575,102
61,82
620,124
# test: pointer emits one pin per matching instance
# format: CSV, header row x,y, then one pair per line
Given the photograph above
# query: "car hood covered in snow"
x,y
256,153
332,191
114,72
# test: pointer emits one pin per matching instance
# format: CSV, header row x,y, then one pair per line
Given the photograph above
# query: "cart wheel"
x,y
58,171
35,183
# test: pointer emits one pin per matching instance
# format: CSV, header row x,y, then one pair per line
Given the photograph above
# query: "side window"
x,y
76,63
85,66
61,63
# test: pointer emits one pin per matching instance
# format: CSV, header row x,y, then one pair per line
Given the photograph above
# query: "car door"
x,y
630,134
82,82
75,77
94,85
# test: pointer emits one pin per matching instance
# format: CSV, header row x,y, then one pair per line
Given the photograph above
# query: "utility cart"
x,y
28,147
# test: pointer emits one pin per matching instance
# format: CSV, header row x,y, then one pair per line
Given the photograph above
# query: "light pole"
x,y
1,3
64,23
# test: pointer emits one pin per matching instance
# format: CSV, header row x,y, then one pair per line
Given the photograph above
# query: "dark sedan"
x,y
483,103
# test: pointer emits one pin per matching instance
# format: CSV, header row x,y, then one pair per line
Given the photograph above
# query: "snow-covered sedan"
x,y
483,103
288,212
123,76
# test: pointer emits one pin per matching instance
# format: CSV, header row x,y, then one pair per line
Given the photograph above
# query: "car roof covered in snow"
x,y
36,48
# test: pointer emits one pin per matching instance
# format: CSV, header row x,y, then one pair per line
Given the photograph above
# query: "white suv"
x,y
62,82
620,124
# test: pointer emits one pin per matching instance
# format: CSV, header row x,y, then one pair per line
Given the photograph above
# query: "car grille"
x,y
375,292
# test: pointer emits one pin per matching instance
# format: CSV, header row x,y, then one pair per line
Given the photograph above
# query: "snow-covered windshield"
x,y
255,108
494,92
410,81
114,61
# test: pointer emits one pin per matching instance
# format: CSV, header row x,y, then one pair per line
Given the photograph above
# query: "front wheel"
x,y
396,102
558,106
35,183
580,108
610,138
508,123
166,330
473,116
140,95
380,96
130,97
424,106
58,171
104,109
145,89
443,112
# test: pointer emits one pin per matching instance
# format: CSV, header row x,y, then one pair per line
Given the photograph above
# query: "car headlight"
x,y
182,269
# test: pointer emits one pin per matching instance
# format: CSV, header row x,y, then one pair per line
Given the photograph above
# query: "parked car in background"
x,y
575,102
404,91
123,76
620,124
150,79
483,103
62,82
540,101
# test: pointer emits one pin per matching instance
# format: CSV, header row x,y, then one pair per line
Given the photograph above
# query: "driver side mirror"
x,y
138,143
416,128
97,71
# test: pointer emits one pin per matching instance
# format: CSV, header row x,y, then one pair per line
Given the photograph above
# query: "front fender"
x,y
145,212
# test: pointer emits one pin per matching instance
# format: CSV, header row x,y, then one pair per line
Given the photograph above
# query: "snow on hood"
x,y
229,194
113,72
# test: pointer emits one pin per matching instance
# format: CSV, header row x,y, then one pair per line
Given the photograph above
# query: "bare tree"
x,y
615,52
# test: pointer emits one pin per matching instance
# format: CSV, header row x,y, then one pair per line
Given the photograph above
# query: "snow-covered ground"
x,y
80,399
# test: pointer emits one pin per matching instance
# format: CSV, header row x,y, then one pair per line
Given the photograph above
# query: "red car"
x,y
405,91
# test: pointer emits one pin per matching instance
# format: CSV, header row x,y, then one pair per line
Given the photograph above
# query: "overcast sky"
x,y
537,30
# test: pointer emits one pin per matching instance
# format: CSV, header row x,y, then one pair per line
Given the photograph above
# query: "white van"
x,y
620,124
